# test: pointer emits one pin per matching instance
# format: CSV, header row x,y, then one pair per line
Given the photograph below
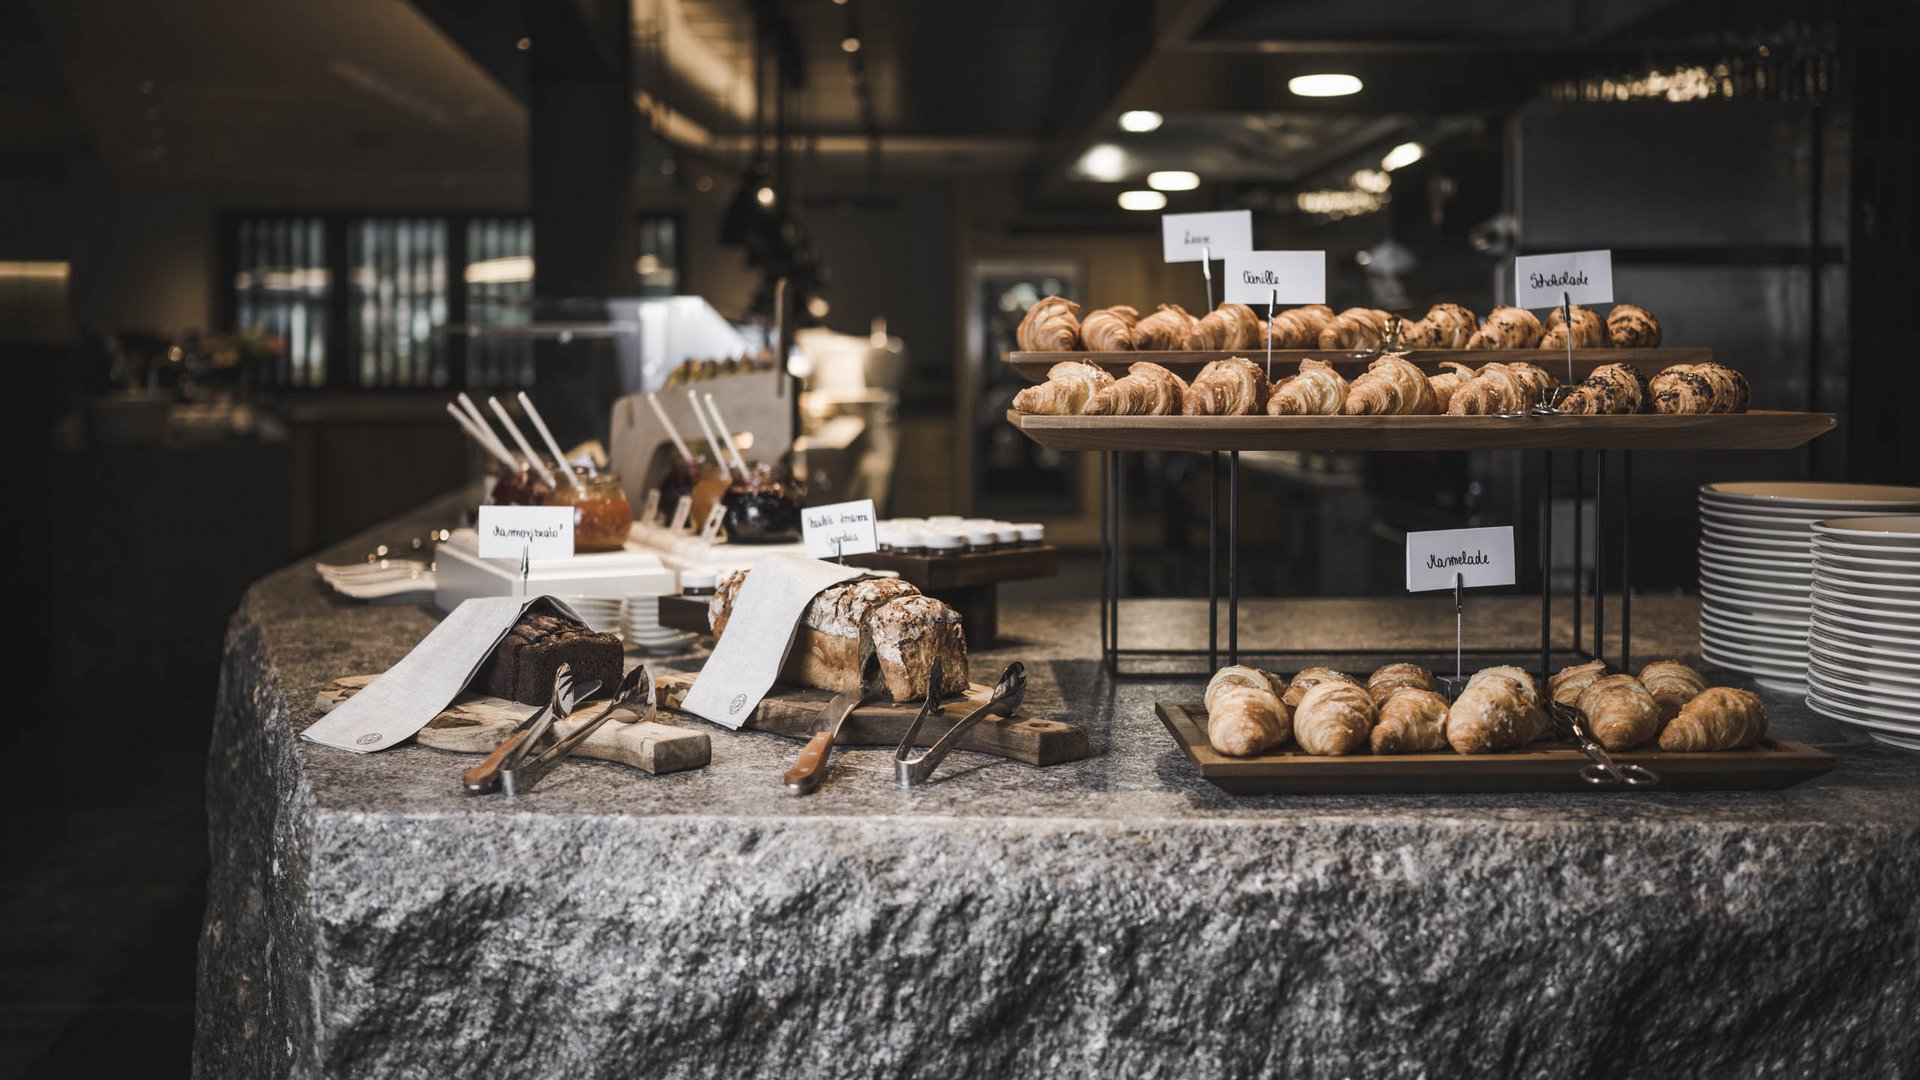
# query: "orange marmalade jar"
x,y
601,513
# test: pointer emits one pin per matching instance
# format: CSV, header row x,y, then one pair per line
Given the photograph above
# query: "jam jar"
x,y
601,514
680,480
763,507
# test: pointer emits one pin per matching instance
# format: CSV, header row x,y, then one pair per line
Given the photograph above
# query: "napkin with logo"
x,y
414,691
766,615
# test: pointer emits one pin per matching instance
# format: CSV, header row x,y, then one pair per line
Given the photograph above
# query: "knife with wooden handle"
x,y
811,767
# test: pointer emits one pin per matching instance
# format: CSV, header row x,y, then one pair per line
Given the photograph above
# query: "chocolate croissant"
x,y
1507,327
1145,390
1610,388
1451,375
1500,709
1110,329
1620,712
1631,327
1235,386
1391,387
1051,325
1700,388
1589,330
1333,718
1245,715
1308,678
1165,329
1318,390
1354,328
1447,326
1720,718
1068,391
1566,684
1412,721
1672,685
1299,328
1229,326
1390,677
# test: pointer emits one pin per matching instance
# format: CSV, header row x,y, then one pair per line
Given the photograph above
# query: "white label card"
x,y
682,511
652,513
840,529
541,532
1544,281
1189,237
1481,557
1253,277
710,529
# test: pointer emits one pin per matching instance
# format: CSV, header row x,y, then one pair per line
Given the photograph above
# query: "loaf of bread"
x,y
882,619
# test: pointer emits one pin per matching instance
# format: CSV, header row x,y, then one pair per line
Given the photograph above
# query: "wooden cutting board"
x,y
793,711
475,724
1543,766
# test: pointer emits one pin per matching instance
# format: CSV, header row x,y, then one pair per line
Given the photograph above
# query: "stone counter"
x,y
1111,917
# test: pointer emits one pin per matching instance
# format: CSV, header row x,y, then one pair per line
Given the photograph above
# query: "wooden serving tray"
x,y
1544,766
1757,430
1187,364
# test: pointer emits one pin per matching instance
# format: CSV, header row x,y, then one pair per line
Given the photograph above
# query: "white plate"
x,y
1775,635
1825,550
1759,619
1876,648
1771,652
1836,672
1867,657
1859,620
1880,632
1810,493
1826,706
1902,528
1792,591
1782,535
1847,572
1779,677
1900,741
1869,599
1900,588
1752,604
1898,703
1896,714
1775,522
1776,513
1771,574
1747,558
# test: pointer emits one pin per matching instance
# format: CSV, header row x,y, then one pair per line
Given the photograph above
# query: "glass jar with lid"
x,y
602,515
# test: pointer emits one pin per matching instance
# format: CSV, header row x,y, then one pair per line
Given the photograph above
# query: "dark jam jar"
x,y
679,481
518,487
602,515
763,508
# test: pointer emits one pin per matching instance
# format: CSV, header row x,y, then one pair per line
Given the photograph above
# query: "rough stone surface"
x,y
1113,917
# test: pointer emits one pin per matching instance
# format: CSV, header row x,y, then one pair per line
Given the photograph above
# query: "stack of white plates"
x,y
601,612
643,631
1756,568
1864,662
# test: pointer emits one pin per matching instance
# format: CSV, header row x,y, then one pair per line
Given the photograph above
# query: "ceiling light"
x,y
764,196
1105,162
1401,156
851,44
1328,85
1140,121
1173,180
48,271
1142,200
523,44
1372,180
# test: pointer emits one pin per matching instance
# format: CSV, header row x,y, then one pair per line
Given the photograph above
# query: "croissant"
x,y
1232,387
1068,391
1391,387
1318,390
1354,328
1700,388
1244,713
1620,712
1312,677
1672,685
1229,326
1333,718
1495,388
1244,677
1499,709
1385,680
1534,377
1631,327
1589,330
1109,329
1166,328
1447,381
1412,721
1721,718
1611,388
1447,326
1299,328
1145,390
1051,325
1566,684
1507,328
1413,333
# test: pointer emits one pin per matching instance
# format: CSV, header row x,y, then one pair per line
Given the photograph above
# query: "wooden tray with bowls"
x,y
1187,364
1543,766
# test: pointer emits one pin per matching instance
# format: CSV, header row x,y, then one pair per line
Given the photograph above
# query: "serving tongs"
x,y
537,755
1602,770
484,778
1006,697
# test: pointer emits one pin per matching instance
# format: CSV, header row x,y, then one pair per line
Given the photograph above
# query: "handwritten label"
x,y
1189,237
652,513
1300,277
682,512
1481,557
541,531
710,529
1544,281
839,529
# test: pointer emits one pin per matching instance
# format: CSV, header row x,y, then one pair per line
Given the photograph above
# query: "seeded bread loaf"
x,y
883,618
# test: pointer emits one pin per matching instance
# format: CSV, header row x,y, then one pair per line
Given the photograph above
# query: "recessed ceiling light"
x,y
1142,200
1326,85
1105,162
851,44
764,196
523,44
1401,156
1173,180
1140,121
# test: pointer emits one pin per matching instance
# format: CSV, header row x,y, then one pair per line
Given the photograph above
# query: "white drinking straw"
x,y
513,429
713,440
473,433
721,423
673,433
480,424
559,459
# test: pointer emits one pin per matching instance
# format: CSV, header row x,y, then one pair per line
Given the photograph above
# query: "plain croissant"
x,y
1299,328
1720,718
1146,389
1391,387
1051,325
1309,678
1672,685
1447,381
1566,684
1245,715
1610,388
1235,386
1110,329
1318,390
1068,391
1507,328
1391,677
1333,718
1165,329
1631,327
1412,721
1354,328
1229,326
1499,709
1700,388
1620,712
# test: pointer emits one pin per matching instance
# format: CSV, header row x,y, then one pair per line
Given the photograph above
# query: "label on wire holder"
x,y
1192,237
1546,281
1297,277
538,532
1481,557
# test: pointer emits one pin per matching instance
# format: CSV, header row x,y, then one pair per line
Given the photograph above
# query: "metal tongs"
x,y
1006,697
537,754
1602,770
484,778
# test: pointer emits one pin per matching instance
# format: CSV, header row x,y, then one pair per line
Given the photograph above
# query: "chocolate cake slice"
x,y
522,665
